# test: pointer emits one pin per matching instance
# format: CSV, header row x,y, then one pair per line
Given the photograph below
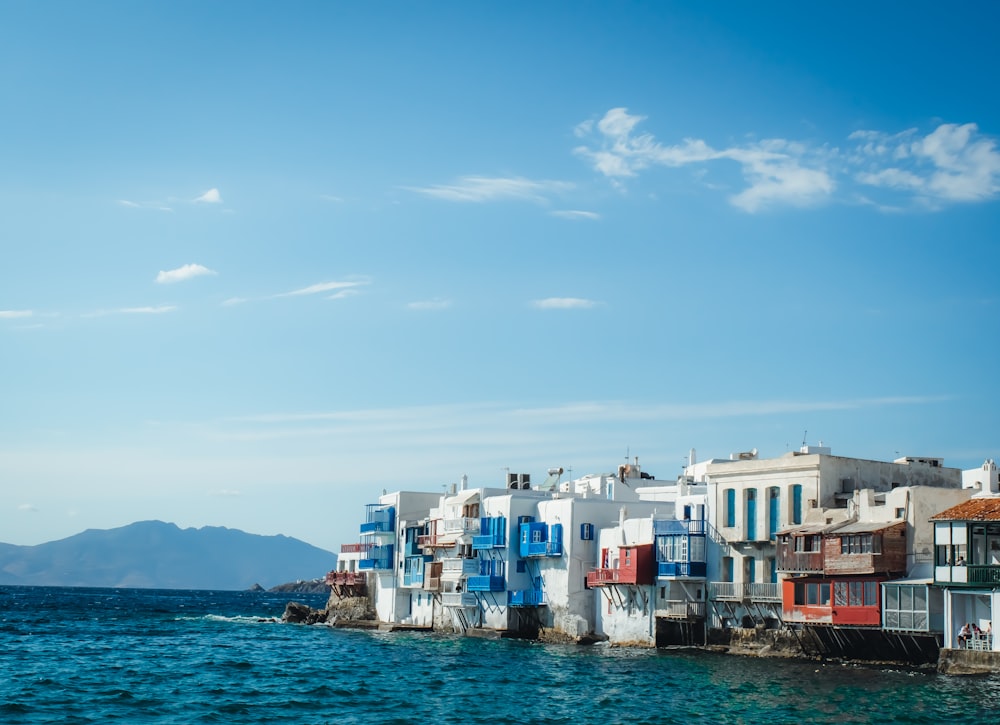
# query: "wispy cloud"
x,y
15,314
493,188
233,301
434,304
188,271
953,163
776,170
563,303
405,422
575,214
150,310
340,289
212,196
27,507
150,205
158,310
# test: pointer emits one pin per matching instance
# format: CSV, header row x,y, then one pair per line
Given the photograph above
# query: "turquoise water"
x,y
143,656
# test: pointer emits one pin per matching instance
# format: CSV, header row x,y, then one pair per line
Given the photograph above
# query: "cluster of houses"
x,y
837,553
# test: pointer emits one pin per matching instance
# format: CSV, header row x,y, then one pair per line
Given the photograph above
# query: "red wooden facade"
x,y
855,559
851,601
636,565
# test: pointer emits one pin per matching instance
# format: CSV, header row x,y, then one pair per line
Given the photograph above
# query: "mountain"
x,y
154,554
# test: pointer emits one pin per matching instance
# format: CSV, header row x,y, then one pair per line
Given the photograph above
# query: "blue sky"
x,y
259,261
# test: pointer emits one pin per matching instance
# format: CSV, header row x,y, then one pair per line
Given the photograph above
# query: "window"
x,y
813,594
857,544
730,507
587,532
727,568
520,567
808,544
796,504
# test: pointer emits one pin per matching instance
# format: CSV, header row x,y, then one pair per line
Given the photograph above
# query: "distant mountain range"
x,y
158,555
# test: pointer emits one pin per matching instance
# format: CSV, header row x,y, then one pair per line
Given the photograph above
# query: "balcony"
x,y
603,577
379,558
379,519
745,591
455,568
967,575
667,527
680,610
433,541
459,526
432,584
676,569
493,534
465,600
354,548
486,583
526,598
344,578
413,579
800,562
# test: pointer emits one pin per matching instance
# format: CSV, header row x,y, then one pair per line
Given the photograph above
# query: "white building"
x,y
750,499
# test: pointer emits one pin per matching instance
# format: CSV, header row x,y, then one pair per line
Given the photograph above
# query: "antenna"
x,y
805,433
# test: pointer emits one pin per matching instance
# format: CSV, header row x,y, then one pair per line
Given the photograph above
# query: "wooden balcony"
x,y
680,610
603,577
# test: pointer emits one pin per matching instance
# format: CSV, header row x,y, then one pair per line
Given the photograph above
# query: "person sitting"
x,y
963,635
961,561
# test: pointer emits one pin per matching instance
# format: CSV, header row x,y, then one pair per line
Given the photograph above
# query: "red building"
x,y
855,558
634,564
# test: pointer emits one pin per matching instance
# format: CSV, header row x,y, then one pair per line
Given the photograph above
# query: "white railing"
x,y
456,567
738,591
680,610
460,526
458,599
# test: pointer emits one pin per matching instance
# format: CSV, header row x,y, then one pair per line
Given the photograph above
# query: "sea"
x,y
71,655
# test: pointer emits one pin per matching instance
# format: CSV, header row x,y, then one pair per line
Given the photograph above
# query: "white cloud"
x,y
211,196
180,274
232,301
434,304
953,163
777,171
563,303
339,288
15,314
158,310
27,507
153,205
484,188
575,214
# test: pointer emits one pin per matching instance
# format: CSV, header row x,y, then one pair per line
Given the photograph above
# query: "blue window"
x,y
521,568
730,507
797,504
587,532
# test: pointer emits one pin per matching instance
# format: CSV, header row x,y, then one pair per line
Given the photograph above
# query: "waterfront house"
x,y
752,499
967,566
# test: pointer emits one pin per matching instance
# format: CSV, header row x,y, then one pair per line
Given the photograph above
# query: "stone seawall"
x,y
968,662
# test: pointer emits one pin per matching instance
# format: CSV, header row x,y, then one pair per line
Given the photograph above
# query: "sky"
x,y
260,261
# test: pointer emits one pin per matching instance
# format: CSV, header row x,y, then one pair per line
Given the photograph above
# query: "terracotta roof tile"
x,y
975,509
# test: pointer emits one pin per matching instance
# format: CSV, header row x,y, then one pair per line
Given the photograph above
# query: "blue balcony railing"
x,y
526,598
485,583
680,568
542,548
678,526
379,558
492,533
379,518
